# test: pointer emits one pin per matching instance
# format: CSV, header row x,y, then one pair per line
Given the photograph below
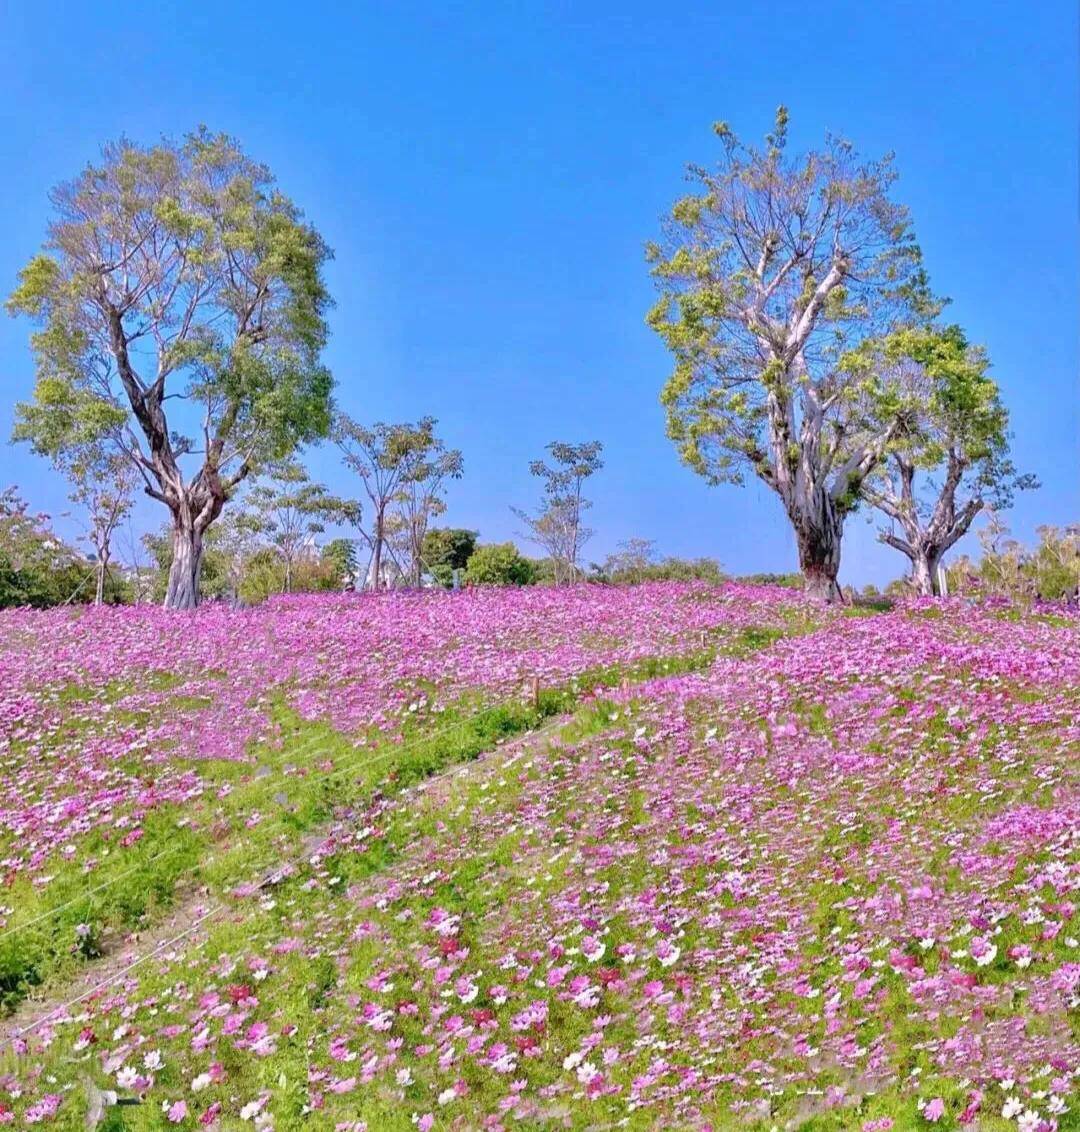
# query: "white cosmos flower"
x,y
670,957
987,957
586,1072
1011,1108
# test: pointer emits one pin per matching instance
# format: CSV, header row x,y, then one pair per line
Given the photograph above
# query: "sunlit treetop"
x,y
177,273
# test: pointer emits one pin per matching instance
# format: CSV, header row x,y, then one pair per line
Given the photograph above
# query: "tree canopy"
x,y
950,459
292,509
181,305
771,271
403,468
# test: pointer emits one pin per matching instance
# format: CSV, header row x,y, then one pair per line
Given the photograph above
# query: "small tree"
x,y
419,498
955,439
340,555
179,289
1002,564
70,425
235,539
771,271
557,526
104,481
499,564
37,568
293,511
631,562
384,456
1055,563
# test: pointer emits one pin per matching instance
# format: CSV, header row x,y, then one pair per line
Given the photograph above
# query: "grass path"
x,y
195,905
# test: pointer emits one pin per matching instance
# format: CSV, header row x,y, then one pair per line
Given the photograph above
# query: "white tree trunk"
x,y
99,593
924,572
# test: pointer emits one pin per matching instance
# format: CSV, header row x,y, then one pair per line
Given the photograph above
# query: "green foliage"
x,y
1050,570
264,576
949,457
445,550
499,564
771,271
291,510
340,556
39,569
1055,563
637,561
953,417
449,546
790,581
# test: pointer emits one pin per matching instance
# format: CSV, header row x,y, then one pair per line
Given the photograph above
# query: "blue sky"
x,y
487,174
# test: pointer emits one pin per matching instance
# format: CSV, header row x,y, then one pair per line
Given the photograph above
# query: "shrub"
x,y
446,549
499,564
39,569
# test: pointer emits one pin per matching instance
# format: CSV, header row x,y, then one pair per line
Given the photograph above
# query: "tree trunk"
x,y
183,591
818,538
99,593
376,553
416,565
924,571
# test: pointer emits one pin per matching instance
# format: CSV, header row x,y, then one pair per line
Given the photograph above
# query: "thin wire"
x,y
219,906
116,975
86,895
278,764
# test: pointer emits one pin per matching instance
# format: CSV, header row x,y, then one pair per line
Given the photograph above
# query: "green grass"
x,y
316,773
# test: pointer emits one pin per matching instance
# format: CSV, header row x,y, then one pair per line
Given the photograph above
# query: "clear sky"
x,y
487,174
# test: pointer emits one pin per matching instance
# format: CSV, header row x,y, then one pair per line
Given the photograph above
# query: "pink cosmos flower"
x,y
935,1110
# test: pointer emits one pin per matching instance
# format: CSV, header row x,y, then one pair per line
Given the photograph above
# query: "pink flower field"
x,y
330,864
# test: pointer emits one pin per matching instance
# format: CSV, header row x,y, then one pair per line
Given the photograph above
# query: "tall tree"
x,y
293,510
179,289
951,459
770,272
557,526
384,456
